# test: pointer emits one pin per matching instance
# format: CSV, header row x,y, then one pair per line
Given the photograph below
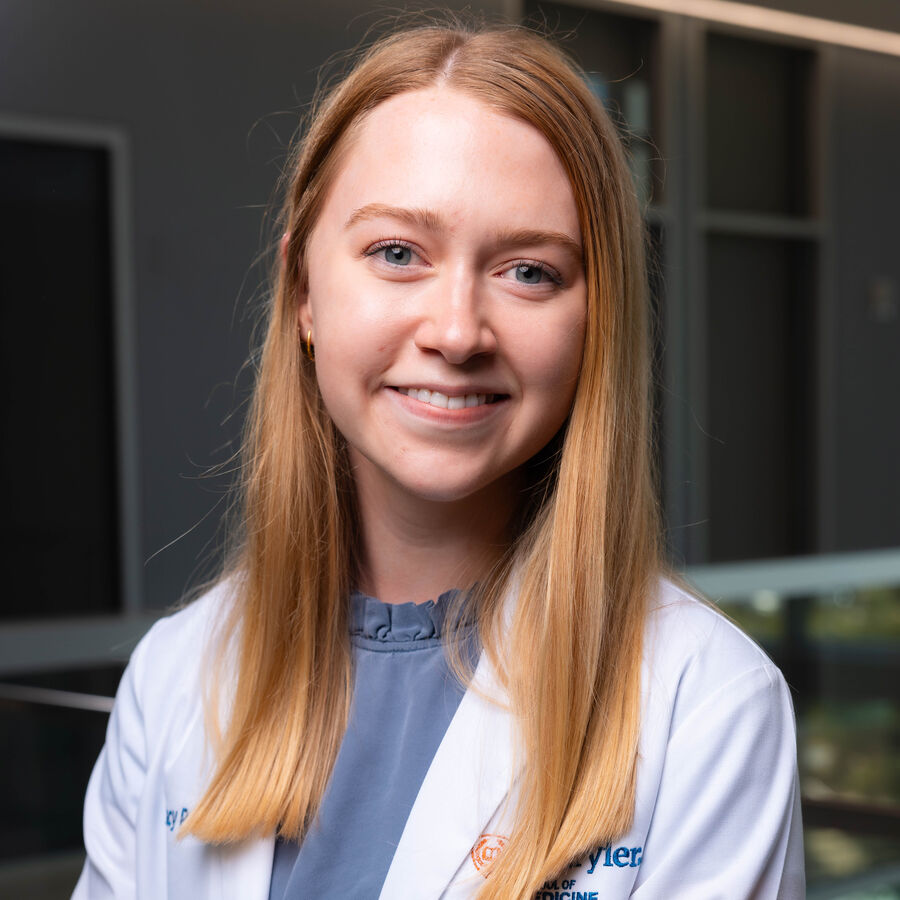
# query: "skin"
x,y
446,257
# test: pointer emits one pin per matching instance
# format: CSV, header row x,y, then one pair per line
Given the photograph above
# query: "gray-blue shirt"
x,y
404,697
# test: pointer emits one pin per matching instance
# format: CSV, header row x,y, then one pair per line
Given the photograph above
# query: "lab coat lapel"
x,y
467,781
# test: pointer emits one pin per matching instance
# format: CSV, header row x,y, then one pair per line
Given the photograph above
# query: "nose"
x,y
454,320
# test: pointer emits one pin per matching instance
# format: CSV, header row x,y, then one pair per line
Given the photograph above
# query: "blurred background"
x,y
140,145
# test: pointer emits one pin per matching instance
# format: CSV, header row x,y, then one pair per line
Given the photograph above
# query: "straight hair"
x,y
567,649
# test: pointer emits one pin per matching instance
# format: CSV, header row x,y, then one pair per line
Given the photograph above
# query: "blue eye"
x,y
532,273
527,274
397,255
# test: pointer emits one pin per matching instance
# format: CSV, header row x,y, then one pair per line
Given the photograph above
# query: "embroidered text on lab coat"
x,y
608,856
175,817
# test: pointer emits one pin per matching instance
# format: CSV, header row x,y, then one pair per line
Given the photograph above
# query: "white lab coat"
x,y
717,814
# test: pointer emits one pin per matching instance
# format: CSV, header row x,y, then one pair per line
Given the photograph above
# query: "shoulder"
x,y
184,632
682,625
152,764
717,807
694,655
166,672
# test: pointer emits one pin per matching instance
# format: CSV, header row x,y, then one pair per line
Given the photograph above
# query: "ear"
x,y
304,314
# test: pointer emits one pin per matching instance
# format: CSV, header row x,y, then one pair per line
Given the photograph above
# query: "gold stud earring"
x,y
310,349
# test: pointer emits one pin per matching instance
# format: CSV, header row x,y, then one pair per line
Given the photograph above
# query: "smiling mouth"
x,y
443,401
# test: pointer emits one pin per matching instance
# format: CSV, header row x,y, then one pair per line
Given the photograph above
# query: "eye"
x,y
399,256
394,253
528,272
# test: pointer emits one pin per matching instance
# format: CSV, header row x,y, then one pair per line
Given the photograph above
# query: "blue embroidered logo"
x,y
616,856
175,817
608,856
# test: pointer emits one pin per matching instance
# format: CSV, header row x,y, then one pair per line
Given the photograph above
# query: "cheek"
x,y
353,350
552,363
352,315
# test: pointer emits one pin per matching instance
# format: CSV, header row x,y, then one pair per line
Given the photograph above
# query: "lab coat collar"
x,y
466,785
468,780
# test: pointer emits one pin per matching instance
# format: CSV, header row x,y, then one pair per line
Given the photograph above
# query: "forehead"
x,y
441,149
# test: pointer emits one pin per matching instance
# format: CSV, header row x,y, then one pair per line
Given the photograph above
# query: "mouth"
x,y
449,401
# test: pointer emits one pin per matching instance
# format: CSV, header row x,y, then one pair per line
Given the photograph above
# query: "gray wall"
x,y
870,13
866,129
865,147
207,93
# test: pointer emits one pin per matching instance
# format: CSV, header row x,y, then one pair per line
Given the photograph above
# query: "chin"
x,y
443,493
439,486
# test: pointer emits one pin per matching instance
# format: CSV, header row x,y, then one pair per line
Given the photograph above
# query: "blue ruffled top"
x,y
375,625
404,697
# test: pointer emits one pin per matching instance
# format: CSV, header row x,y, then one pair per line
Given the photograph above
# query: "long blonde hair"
x,y
586,556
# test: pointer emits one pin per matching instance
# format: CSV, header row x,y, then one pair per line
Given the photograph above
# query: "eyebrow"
x,y
433,221
424,218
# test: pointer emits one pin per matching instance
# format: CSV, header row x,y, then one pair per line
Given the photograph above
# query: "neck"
x,y
413,549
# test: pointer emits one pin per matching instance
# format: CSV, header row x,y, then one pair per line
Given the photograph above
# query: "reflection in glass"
x,y
846,648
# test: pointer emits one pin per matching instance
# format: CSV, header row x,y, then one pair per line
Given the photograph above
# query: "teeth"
x,y
436,398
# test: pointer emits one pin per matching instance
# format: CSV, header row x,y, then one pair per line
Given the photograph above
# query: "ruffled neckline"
x,y
373,620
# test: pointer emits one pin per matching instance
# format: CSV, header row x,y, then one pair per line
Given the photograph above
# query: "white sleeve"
x,y
113,796
726,825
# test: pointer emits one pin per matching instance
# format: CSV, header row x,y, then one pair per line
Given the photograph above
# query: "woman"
x,y
453,394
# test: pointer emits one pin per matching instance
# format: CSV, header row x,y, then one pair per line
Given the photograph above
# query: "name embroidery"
x,y
607,856
486,850
175,817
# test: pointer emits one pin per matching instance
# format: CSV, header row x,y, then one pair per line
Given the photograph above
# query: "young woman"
x,y
451,416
